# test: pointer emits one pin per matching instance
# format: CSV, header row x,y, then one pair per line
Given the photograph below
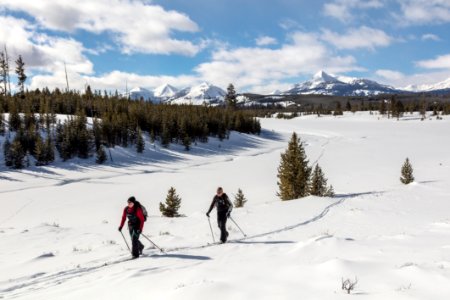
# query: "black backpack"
x,y
223,203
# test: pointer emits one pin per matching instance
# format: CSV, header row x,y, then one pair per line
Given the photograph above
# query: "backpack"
x,y
222,203
144,210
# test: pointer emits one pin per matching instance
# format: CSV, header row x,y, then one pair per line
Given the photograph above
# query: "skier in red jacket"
x,y
135,215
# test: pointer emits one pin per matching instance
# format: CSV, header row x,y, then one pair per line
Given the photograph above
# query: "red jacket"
x,y
131,210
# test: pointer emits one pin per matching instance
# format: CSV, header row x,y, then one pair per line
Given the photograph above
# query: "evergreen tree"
x,y
7,153
319,184
382,108
187,142
49,150
140,144
338,110
101,155
230,97
40,152
21,77
348,106
15,122
407,172
173,203
239,199
2,123
17,154
293,171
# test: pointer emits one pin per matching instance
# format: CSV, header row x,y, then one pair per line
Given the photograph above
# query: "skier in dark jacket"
x,y
135,215
224,208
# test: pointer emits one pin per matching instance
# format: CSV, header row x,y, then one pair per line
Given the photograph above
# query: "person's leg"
x,y
135,249
222,222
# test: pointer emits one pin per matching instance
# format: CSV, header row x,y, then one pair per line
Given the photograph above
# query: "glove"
x,y
120,228
228,214
207,214
138,231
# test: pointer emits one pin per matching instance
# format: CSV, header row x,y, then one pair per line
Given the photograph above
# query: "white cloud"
x,y
135,25
363,37
110,81
342,9
390,75
410,81
431,37
440,62
265,41
40,51
424,11
249,67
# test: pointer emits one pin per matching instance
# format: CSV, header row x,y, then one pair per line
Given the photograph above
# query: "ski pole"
x,y
212,233
125,241
153,243
238,226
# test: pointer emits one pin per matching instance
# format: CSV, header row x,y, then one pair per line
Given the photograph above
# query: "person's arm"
x,y
212,206
141,218
124,217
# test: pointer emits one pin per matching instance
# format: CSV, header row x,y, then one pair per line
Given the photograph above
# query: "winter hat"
x,y
132,199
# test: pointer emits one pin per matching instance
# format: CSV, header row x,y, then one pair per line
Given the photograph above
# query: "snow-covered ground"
x,y
58,224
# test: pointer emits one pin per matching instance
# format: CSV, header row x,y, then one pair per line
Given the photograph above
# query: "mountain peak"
x,y
322,76
165,91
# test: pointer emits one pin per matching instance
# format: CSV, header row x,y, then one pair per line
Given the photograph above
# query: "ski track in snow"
x,y
42,280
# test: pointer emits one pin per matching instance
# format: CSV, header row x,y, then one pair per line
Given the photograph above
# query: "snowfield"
x,y
59,238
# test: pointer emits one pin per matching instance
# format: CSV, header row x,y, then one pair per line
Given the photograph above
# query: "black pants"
x,y
222,222
136,245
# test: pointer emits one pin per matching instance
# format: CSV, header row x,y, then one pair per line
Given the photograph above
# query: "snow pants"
x,y
222,223
136,245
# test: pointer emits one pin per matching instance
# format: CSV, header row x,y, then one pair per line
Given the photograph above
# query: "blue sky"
x,y
257,45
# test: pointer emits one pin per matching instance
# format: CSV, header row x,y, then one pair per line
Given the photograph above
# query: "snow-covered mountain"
x,y
138,93
165,91
326,84
440,87
200,94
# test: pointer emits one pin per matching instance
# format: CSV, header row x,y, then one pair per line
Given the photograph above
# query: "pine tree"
x,y
40,152
293,171
239,199
2,123
348,106
17,154
382,108
140,144
338,110
49,150
101,155
187,142
407,172
230,97
319,184
173,203
7,153
21,77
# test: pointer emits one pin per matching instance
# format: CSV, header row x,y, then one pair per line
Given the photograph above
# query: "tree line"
x,y
33,128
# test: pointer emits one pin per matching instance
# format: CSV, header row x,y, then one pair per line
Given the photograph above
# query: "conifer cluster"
x,y
294,174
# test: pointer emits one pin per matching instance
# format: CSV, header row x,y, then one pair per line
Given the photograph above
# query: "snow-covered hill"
x,y
326,84
59,238
200,94
165,92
